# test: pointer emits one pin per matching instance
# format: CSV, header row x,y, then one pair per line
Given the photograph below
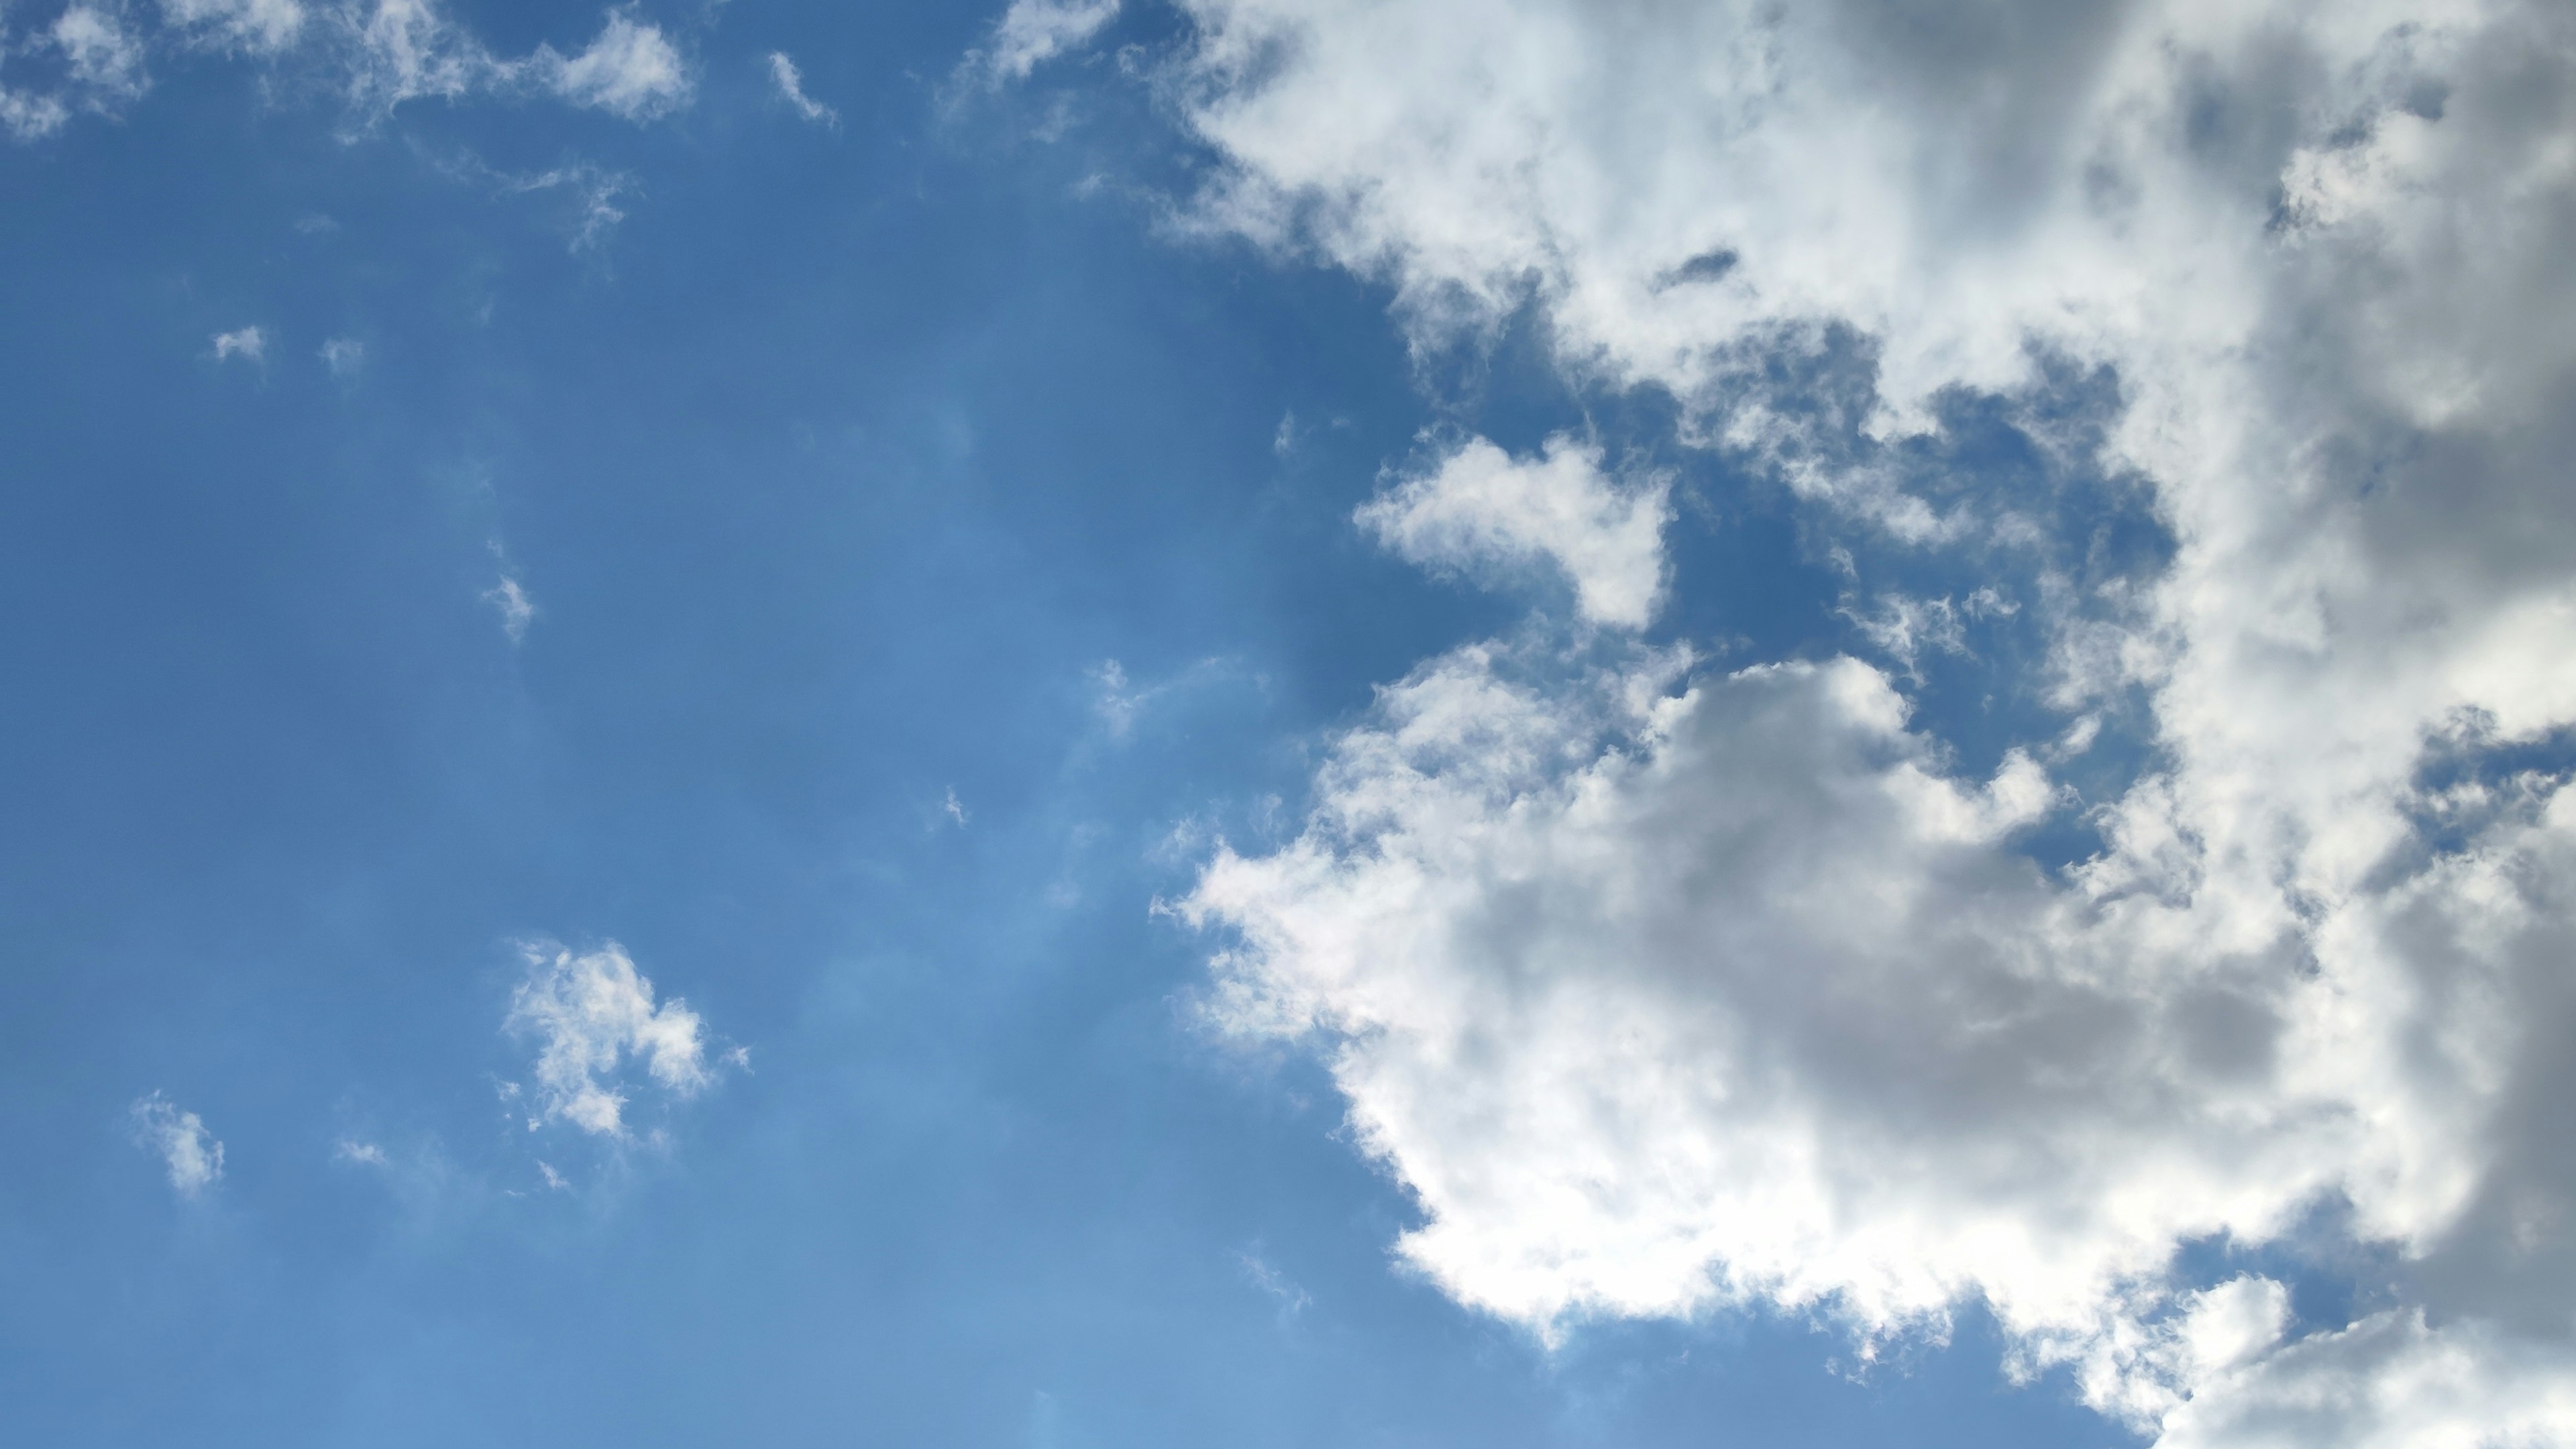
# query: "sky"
x,y
1076,723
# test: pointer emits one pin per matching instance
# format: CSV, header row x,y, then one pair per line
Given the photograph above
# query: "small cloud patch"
x,y
591,1014
190,1153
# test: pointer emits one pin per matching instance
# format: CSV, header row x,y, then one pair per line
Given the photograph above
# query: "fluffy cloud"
x,y
1663,987
590,1012
1481,509
190,1153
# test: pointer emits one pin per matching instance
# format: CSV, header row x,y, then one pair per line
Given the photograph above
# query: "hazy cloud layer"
x,y
1663,986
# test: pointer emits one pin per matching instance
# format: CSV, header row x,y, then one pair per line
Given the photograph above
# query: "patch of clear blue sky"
x,y
835,472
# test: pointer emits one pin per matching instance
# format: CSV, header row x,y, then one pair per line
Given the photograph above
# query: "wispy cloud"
x,y
378,55
264,26
791,87
516,608
1033,32
188,1152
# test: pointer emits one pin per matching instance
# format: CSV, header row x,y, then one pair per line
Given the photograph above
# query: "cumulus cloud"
x,y
188,1152
791,88
343,356
1663,987
1480,509
1033,32
590,1012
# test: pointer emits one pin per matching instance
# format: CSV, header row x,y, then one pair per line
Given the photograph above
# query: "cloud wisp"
x,y
189,1153
790,85
1033,32
376,55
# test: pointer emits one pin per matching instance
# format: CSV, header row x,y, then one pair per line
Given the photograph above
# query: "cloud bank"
x,y
1664,987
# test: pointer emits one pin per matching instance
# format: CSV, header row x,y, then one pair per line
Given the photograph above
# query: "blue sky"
x,y
942,641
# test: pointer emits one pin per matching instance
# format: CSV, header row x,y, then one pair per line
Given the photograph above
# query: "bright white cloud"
x,y
1481,509
1033,32
791,88
247,343
590,1012
188,1152
1659,998
631,71
258,25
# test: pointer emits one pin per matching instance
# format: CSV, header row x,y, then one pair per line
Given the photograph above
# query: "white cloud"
x,y
791,87
953,809
517,609
1482,509
103,58
631,71
257,25
590,1012
29,117
362,1154
402,50
344,356
190,1153
1033,32
248,343
1659,999
379,55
